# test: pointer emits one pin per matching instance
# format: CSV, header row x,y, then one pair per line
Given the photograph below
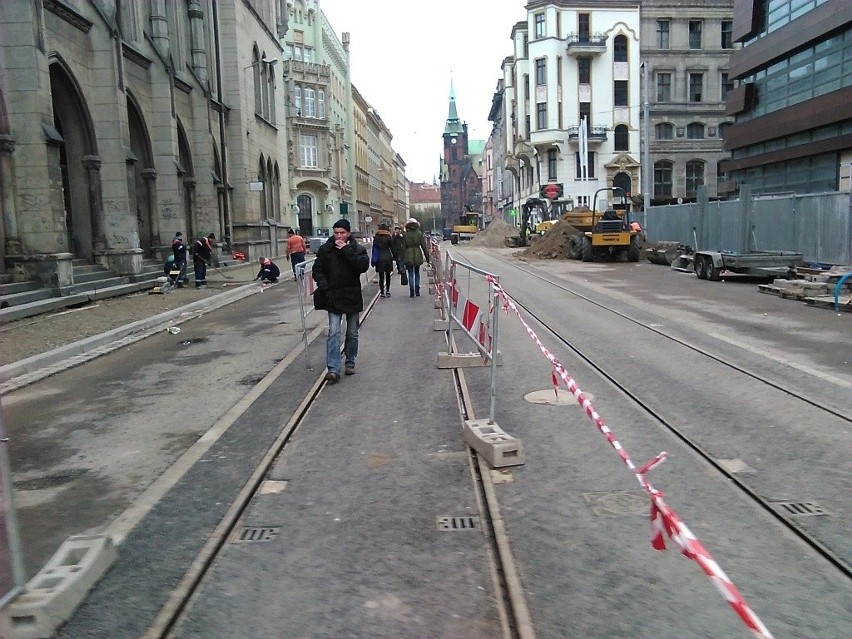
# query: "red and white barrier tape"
x,y
664,521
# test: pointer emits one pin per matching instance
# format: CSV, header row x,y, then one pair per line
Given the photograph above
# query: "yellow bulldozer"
x,y
606,235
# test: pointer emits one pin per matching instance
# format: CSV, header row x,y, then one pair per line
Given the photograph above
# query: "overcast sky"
x,y
402,66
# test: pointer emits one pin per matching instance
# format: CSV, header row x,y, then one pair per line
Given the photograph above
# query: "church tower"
x,y
460,185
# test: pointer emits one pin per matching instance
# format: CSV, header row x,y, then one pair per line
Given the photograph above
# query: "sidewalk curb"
x,y
27,371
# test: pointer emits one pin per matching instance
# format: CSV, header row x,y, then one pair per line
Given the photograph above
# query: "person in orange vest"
x,y
269,271
296,249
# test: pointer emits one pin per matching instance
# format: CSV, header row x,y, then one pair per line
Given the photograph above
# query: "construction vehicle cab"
x,y
611,236
468,226
532,213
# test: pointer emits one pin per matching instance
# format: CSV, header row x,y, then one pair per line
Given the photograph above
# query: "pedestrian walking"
x,y
269,271
399,248
337,272
179,249
416,252
296,249
202,253
384,258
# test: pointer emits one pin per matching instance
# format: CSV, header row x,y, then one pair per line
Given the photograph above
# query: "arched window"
x,y
264,86
255,68
663,178
695,131
622,180
622,138
694,177
665,131
619,50
270,79
261,177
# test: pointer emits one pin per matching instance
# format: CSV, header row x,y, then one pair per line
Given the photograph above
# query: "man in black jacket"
x,y
202,253
337,273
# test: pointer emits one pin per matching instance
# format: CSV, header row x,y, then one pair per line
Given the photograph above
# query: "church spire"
x,y
454,125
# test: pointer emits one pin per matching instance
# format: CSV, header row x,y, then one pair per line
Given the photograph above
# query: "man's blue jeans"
x,y
332,345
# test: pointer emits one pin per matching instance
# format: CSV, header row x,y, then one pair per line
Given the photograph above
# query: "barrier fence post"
x,y
305,287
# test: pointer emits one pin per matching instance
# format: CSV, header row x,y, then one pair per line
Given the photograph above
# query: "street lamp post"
x,y
226,208
646,148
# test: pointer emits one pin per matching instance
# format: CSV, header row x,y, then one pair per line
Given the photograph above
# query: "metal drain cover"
x,y
467,522
800,508
551,398
255,534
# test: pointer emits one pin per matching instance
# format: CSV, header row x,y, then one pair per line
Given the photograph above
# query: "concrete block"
x,y
441,325
497,447
466,360
53,594
431,289
439,303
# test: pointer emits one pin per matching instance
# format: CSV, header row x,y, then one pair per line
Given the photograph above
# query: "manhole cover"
x,y
548,396
622,503
255,534
466,522
800,508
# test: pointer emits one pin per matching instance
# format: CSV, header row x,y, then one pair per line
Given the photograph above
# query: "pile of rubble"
x,y
814,287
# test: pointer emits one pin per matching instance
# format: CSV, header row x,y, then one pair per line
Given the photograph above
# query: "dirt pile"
x,y
494,235
553,245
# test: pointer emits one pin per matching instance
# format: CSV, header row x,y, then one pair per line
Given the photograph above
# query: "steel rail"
x,y
820,548
504,574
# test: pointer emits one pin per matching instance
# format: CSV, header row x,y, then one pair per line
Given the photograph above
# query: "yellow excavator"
x,y
467,228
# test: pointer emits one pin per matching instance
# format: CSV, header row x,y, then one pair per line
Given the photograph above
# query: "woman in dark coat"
x,y
416,251
384,258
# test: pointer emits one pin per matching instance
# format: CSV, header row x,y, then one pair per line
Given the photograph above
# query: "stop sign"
x,y
551,191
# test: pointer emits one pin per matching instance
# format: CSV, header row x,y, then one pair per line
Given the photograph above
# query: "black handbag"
x,y
403,278
320,300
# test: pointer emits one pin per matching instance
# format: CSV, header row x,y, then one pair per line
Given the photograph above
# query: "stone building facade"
x,y
686,51
115,131
571,101
125,121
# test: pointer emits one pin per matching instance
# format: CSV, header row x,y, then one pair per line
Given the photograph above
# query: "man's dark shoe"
x,y
350,369
332,378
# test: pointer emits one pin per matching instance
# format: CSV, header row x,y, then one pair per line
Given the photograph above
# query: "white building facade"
x,y
572,93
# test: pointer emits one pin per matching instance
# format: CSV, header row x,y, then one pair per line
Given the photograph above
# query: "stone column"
x,y
96,207
10,244
150,177
198,46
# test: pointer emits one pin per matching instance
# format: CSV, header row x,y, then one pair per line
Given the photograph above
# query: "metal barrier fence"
x,y
819,226
470,307
306,286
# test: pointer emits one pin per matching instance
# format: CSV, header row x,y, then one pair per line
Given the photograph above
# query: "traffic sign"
x,y
551,191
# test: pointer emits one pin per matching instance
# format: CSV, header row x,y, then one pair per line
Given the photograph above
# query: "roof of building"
x,y
422,193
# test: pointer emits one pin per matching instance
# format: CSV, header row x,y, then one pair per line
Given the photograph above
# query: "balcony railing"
x,y
596,133
588,43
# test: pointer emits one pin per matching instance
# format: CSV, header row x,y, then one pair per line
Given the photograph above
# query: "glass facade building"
x,y
793,119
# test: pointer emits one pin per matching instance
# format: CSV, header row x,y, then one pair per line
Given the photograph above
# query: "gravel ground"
x,y
41,333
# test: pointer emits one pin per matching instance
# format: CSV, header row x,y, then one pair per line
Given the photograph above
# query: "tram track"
x,y
689,442
511,607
